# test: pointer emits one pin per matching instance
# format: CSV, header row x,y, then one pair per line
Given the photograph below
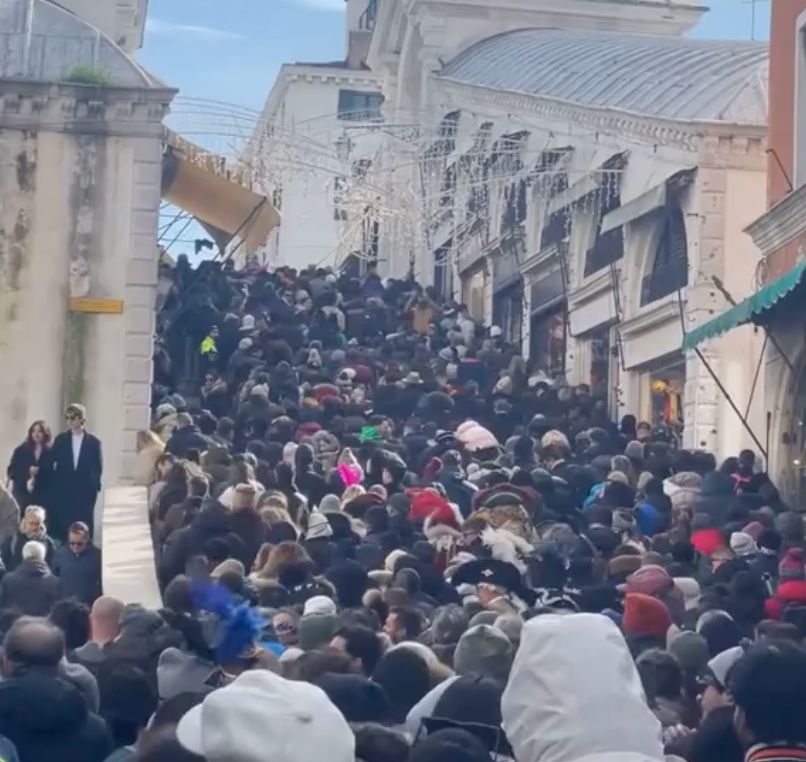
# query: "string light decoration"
x,y
402,188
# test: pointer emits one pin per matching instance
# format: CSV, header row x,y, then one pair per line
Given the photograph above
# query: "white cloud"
x,y
320,5
162,28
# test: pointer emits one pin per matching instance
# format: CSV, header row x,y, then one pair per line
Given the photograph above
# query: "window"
x,y
608,248
556,229
361,168
357,106
368,17
339,197
515,198
277,198
670,265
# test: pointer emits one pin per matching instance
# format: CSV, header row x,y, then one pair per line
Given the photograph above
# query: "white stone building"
x,y
319,128
587,173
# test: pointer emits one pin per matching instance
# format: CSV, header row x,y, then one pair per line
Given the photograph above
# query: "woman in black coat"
x,y
30,466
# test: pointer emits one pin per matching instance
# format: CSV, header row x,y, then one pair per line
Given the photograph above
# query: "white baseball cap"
x,y
260,711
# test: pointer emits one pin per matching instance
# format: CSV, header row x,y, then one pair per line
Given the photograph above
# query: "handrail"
x,y
129,570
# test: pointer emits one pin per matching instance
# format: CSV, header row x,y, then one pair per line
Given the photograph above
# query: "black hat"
x,y
491,571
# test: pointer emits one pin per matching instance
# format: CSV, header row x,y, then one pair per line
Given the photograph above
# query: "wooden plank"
x,y
97,306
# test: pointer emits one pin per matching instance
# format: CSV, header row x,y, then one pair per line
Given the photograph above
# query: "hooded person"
x,y
317,541
556,715
791,586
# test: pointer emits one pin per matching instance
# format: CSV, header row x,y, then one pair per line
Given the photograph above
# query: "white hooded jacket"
x,y
574,695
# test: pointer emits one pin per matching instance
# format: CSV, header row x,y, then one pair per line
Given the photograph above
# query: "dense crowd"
x,y
381,535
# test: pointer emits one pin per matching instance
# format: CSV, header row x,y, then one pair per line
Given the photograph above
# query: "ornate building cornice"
x,y
135,112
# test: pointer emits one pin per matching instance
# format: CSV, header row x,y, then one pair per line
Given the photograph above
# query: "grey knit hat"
x,y
450,623
316,631
691,651
484,650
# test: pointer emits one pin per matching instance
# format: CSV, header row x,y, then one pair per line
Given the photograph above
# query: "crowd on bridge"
x,y
382,535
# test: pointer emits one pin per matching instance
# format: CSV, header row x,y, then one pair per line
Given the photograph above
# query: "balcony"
x,y
665,278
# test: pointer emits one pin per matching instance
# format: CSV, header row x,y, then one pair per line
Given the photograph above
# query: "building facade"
x,y
586,173
318,132
780,235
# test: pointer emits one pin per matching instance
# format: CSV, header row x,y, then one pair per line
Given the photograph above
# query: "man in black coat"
x,y
187,437
44,716
78,565
77,470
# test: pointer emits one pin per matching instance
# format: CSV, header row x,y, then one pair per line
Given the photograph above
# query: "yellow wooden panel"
x,y
97,306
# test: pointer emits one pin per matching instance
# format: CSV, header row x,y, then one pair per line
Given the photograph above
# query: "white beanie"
x,y
319,604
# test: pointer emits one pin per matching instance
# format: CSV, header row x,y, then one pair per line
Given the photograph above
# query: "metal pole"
x,y
755,378
730,401
249,218
179,234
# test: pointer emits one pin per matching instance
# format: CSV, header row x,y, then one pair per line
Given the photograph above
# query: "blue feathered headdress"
x,y
230,628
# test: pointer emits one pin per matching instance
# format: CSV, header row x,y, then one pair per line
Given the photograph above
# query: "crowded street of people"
x,y
402,381
381,535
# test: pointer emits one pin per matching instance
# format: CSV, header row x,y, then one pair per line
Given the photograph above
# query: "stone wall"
x,y
79,197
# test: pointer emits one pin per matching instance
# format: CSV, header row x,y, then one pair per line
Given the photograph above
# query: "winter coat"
x,y
144,635
47,719
789,593
31,588
80,574
19,469
12,549
9,515
7,751
145,467
186,439
555,715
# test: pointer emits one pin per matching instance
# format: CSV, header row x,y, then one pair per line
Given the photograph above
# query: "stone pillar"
x,y
701,403
79,197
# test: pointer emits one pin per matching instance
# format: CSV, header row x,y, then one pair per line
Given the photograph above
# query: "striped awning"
x,y
752,309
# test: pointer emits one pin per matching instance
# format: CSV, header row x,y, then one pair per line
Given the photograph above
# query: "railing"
x,y
609,248
129,571
665,279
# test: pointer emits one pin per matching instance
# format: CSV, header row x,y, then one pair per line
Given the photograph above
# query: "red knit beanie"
x,y
645,616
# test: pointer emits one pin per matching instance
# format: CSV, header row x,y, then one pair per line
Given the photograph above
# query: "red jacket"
x,y
792,591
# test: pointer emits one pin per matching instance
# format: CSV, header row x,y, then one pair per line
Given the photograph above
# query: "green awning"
x,y
749,310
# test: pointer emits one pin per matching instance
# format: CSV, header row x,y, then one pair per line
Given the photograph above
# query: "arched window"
x,y
669,271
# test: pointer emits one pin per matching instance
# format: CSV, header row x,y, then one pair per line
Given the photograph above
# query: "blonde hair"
x,y
351,493
148,439
285,553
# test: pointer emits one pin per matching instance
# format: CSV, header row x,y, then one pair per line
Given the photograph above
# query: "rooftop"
x,y
662,77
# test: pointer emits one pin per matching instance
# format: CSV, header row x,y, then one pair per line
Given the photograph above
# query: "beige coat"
x,y
146,466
